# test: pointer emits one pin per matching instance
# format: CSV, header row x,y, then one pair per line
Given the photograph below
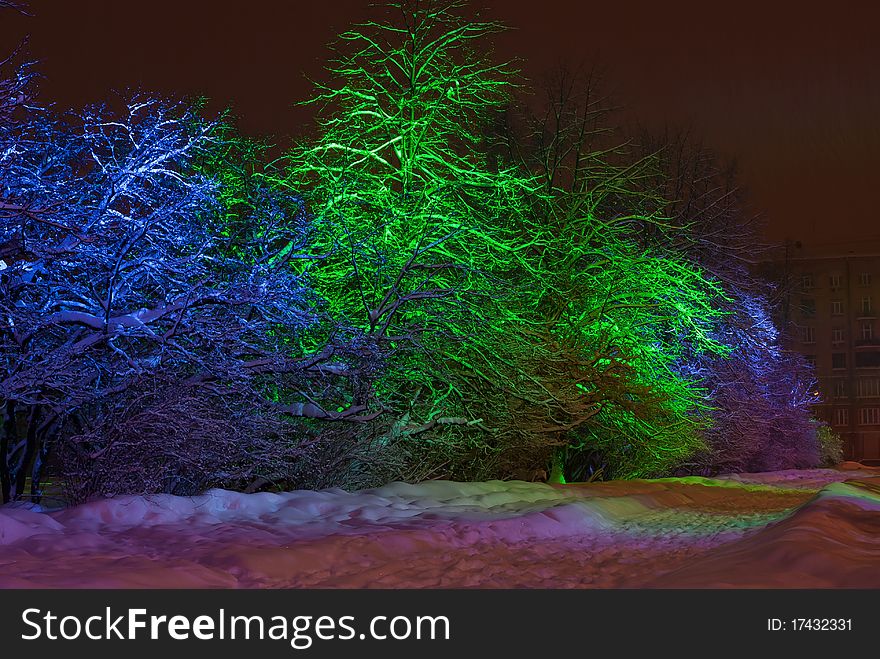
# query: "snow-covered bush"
x,y
830,446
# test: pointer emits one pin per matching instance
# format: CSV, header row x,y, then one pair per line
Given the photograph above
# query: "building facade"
x,y
831,316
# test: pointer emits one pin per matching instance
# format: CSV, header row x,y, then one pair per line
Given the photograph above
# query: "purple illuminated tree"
x,y
761,396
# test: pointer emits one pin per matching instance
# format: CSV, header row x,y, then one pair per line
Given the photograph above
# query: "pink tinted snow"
x,y
781,529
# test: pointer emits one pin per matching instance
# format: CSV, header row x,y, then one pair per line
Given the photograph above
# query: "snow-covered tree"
x,y
517,313
124,284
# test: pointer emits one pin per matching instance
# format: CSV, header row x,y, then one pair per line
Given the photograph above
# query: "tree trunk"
x,y
557,469
8,433
29,451
46,433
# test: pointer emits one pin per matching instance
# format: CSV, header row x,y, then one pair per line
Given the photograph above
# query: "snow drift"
x,y
818,528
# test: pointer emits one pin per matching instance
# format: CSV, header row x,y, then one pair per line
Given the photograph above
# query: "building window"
x,y
807,282
811,360
837,308
835,281
869,416
837,336
841,416
865,279
808,334
808,307
866,306
869,387
868,359
839,389
838,360
867,331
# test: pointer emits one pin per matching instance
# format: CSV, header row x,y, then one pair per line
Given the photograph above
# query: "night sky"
x,y
793,93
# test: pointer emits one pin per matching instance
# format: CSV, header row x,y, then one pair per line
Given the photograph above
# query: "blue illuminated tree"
x,y
137,326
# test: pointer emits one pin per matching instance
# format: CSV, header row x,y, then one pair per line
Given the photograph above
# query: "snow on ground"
x,y
814,528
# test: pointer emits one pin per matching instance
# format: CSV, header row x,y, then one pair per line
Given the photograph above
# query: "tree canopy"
x,y
436,285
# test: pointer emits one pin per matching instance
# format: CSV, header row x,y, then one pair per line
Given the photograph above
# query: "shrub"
x,y
830,446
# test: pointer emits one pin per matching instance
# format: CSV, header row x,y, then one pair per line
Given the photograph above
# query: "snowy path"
x,y
787,529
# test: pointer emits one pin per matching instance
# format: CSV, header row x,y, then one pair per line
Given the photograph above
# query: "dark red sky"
x,y
792,91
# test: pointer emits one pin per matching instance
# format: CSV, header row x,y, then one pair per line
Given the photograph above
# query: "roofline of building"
x,y
794,251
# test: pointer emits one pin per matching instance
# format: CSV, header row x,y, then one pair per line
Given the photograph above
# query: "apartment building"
x,y
831,316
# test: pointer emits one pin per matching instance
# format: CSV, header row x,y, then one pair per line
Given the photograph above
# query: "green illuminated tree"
x,y
418,224
518,311
760,394
641,308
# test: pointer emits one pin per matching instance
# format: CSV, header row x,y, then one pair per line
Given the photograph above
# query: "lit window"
x,y
841,416
869,416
